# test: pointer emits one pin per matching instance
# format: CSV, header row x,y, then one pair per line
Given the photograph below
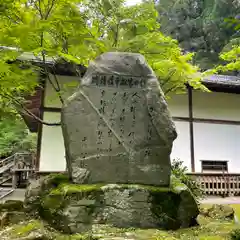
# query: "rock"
x,y
117,127
11,205
8,218
3,219
38,188
74,208
217,211
11,212
37,230
32,230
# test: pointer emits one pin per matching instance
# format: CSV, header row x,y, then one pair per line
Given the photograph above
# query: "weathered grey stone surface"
x,y
38,188
76,208
218,211
117,127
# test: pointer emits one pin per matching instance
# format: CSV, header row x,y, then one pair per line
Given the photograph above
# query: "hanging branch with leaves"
x,y
76,32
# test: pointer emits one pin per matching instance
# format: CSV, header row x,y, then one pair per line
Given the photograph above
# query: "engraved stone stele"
x,y
116,126
118,137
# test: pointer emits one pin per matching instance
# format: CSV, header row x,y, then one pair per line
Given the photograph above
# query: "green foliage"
x,y
136,29
15,81
231,52
180,172
235,234
11,205
77,31
23,231
232,58
199,26
14,137
28,143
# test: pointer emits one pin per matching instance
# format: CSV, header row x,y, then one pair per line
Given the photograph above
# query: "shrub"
x,y
28,143
235,234
14,137
180,172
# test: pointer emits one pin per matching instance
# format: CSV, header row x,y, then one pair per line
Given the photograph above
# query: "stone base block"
x,y
74,208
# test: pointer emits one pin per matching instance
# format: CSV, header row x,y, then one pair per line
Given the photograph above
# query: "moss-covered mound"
x,y
38,189
73,208
11,212
218,211
37,230
210,229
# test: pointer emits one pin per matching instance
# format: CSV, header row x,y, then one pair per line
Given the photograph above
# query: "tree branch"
x,y
39,8
116,35
170,90
57,89
17,103
29,113
168,78
50,9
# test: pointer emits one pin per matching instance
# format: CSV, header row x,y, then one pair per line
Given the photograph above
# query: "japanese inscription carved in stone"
x,y
117,127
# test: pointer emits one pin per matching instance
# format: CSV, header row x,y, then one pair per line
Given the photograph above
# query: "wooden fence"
x,y
218,183
17,168
23,168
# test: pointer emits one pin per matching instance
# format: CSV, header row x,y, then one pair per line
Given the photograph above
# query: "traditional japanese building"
x,y
208,125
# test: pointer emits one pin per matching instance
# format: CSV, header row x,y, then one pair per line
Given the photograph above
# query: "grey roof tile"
x,y
223,80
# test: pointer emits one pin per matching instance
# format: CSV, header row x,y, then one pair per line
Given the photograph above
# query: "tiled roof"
x,y
31,57
222,80
217,80
28,56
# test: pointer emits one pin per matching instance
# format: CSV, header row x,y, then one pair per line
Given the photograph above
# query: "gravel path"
x,y
18,194
220,200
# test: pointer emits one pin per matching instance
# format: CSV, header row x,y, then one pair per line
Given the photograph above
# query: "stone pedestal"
x,y
76,208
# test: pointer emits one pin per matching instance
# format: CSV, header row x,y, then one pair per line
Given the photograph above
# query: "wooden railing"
x,y
224,184
23,168
16,168
5,169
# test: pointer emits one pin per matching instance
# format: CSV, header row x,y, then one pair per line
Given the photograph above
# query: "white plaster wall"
x,y
215,105
52,156
217,142
178,105
181,146
67,85
212,141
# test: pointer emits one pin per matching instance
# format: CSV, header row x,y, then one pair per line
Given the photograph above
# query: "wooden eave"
x,y
34,101
33,104
216,83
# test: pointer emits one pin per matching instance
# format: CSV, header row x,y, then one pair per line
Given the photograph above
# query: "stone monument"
x,y
118,137
117,127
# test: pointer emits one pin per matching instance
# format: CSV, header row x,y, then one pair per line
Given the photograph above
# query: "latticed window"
x,y
214,166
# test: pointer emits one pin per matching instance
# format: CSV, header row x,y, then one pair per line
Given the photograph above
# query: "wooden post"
x,y
191,131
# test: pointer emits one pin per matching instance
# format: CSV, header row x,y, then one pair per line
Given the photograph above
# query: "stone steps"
x,y
12,194
4,192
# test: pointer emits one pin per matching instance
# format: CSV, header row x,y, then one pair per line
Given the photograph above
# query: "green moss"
x,y
66,189
11,205
164,207
77,237
145,187
24,230
176,185
154,189
52,202
55,179
211,230
236,208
